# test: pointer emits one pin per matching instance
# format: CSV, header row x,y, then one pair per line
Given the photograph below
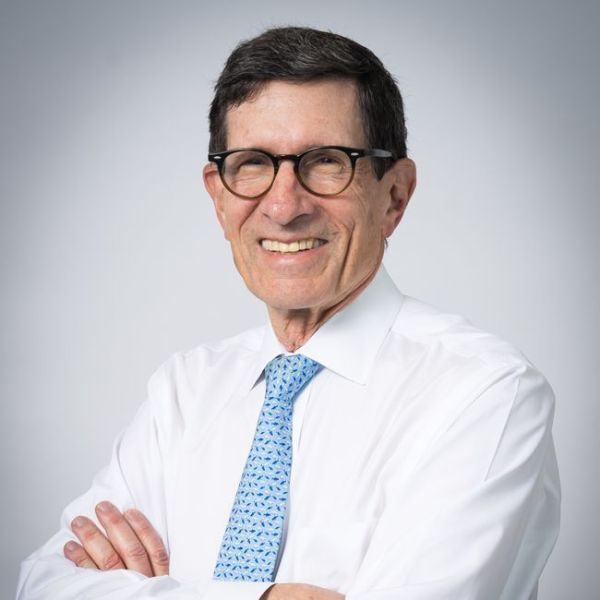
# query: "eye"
x,y
325,161
254,161
247,161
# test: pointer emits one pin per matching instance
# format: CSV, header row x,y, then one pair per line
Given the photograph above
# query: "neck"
x,y
294,327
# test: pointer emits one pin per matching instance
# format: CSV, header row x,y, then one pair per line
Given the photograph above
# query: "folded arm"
x,y
134,479
129,541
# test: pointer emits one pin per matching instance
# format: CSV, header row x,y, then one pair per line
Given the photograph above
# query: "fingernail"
x,y
78,522
71,547
104,506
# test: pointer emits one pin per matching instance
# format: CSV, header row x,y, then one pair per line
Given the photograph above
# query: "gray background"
x,y
111,258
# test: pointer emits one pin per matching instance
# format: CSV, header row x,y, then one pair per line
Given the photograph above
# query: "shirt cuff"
x,y
235,590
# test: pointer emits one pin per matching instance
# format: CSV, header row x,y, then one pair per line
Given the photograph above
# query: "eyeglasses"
x,y
324,171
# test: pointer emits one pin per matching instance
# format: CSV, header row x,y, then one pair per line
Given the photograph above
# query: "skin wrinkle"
x,y
297,338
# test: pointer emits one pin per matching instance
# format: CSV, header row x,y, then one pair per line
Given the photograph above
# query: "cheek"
x,y
368,226
236,219
366,238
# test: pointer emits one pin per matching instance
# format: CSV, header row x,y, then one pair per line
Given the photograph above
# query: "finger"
x,y
95,543
124,539
151,540
77,554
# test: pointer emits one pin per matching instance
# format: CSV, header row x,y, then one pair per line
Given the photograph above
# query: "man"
x,y
362,445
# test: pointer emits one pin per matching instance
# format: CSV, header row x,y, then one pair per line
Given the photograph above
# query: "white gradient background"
x,y
111,258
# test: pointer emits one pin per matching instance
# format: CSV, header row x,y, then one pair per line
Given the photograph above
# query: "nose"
x,y
287,200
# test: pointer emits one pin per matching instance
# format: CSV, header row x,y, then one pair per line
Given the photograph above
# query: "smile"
x,y
297,246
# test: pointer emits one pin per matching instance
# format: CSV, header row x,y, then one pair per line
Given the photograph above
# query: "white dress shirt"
x,y
423,465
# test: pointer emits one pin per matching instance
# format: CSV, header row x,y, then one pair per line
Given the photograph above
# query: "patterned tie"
x,y
251,541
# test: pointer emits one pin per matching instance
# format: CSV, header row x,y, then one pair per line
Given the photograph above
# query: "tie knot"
x,y
287,375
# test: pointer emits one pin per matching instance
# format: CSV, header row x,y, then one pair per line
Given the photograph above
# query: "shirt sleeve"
x,y
135,477
478,516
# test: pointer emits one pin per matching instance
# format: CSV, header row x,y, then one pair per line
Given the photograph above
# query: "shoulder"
x,y
461,360
187,381
430,330
229,352
463,385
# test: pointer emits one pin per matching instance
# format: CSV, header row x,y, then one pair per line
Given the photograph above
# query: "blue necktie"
x,y
251,541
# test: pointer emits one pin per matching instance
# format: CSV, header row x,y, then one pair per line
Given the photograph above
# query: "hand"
x,y
299,591
130,542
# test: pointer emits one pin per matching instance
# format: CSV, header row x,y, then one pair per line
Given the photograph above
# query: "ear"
x,y
402,179
214,187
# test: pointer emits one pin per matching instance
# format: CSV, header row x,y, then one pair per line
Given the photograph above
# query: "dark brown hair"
x,y
303,54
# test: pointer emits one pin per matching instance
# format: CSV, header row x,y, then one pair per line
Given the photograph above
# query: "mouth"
x,y
292,247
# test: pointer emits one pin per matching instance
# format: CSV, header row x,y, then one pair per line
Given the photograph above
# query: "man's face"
x,y
347,231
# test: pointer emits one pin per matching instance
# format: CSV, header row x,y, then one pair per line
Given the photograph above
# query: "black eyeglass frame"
x,y
353,154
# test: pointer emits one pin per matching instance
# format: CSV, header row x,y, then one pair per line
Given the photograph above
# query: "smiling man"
x,y
360,445
305,254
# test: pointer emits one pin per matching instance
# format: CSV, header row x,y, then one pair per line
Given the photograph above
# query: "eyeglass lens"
x,y
250,173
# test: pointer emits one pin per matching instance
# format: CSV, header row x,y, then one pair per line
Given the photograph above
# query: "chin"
x,y
284,302
288,296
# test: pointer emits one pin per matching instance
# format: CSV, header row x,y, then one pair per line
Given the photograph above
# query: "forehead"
x,y
290,117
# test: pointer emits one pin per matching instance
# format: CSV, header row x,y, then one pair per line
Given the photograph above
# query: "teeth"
x,y
275,246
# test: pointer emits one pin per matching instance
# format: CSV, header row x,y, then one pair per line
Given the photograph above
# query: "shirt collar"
x,y
349,342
